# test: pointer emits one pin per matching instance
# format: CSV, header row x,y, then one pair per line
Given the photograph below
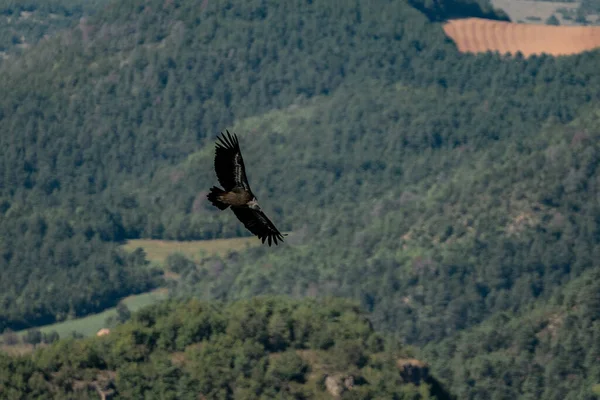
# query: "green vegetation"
x,y
90,325
196,250
90,149
442,191
550,352
589,8
260,349
552,20
23,23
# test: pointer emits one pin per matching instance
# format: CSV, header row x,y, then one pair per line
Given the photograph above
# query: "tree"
x,y
123,313
580,17
50,337
552,20
9,338
33,336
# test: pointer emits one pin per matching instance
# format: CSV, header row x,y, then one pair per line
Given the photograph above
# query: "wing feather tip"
x,y
228,141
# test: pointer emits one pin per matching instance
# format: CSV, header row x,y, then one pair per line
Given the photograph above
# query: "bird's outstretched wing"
x,y
258,223
229,164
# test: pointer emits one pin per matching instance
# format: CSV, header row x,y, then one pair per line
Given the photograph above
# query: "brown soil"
x,y
477,35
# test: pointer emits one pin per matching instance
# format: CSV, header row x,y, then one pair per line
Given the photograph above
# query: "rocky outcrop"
x,y
338,384
413,370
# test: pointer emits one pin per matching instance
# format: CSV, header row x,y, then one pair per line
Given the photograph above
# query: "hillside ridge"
x,y
262,348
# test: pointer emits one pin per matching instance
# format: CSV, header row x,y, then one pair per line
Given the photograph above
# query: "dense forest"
x,y
264,348
23,23
549,352
445,192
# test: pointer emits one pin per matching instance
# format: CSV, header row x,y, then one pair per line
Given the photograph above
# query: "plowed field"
x,y
480,35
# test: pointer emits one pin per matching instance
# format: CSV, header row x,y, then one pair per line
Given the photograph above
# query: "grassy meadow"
x,y
157,252
91,324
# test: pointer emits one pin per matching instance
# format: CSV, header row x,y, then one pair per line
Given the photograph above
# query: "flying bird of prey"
x,y
231,173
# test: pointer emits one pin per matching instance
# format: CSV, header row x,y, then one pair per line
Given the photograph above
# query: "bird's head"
x,y
253,204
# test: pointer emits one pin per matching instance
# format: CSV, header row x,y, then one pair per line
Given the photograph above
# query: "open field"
x,y
521,9
91,324
480,35
158,250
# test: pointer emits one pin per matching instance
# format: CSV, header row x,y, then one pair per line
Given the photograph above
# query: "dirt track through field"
x,y
477,35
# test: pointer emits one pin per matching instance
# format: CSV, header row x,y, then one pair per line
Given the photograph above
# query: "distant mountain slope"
x,y
137,88
430,231
23,23
437,188
260,349
477,35
471,234
550,352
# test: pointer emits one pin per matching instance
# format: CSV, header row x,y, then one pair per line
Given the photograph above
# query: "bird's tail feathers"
x,y
214,198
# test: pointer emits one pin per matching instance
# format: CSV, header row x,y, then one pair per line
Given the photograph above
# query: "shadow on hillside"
x,y
442,10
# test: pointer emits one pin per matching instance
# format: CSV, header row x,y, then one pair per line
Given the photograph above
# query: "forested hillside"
x,y
549,352
260,349
471,231
135,89
23,23
439,189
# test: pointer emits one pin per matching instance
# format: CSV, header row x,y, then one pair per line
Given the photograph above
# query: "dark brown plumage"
x,y
236,192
